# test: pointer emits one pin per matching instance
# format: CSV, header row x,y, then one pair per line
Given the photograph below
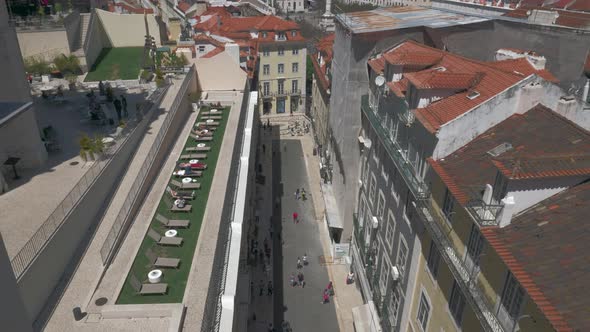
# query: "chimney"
x,y
505,216
586,89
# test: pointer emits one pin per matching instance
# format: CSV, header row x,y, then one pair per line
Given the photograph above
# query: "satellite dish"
x,y
379,80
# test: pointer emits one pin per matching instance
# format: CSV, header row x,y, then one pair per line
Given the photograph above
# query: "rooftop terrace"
x,y
383,19
177,278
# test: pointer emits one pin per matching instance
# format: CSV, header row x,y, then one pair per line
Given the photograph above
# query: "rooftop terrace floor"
x,y
46,187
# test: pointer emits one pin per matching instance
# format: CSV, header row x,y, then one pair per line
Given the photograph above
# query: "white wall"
x,y
128,30
44,44
516,99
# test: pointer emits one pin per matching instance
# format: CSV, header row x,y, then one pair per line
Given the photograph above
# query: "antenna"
x,y
379,80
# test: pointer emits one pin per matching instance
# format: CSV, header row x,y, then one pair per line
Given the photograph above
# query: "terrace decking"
x,y
176,278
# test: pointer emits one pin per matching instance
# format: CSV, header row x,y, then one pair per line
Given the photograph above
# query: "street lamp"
x,y
521,317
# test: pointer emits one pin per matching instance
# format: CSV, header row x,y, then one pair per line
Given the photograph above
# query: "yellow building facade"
x,y
448,308
281,77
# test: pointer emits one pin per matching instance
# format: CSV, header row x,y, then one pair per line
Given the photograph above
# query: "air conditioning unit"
x,y
375,222
395,273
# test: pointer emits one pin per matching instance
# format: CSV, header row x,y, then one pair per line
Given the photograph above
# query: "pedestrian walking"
x,y
325,297
303,198
297,194
350,278
254,316
295,217
300,277
270,328
299,265
252,288
292,280
305,259
330,289
268,124
117,104
263,149
124,104
269,288
261,287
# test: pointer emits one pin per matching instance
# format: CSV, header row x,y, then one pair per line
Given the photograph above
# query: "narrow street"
x,y
284,167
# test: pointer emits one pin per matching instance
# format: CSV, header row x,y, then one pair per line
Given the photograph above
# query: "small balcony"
x,y
295,92
485,214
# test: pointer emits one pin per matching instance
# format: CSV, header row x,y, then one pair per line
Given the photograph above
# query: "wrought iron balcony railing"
x,y
485,214
414,182
434,221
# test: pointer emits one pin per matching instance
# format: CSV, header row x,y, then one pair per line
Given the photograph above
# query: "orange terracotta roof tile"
x,y
524,67
430,68
377,64
534,242
183,6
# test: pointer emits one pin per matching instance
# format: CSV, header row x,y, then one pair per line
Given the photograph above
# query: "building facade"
x,y
320,91
281,73
417,111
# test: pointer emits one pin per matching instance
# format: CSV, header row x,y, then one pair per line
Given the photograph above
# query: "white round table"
x,y
201,145
154,276
187,180
193,161
204,131
213,110
171,233
209,120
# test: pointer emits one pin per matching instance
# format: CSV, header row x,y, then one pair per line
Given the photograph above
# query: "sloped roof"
x,y
430,68
523,66
324,47
544,143
546,247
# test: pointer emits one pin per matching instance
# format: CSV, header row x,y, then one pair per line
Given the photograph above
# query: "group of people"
x,y
119,104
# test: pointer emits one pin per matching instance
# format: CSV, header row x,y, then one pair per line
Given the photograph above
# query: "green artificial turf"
x,y
177,278
121,63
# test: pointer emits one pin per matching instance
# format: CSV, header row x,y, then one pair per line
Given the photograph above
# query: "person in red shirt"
x,y
295,217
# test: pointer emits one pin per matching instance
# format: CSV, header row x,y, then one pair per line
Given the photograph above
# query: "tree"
x,y
67,64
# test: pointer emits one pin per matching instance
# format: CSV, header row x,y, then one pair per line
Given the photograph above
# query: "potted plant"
x,y
98,145
86,148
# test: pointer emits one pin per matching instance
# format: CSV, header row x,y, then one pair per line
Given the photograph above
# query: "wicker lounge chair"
x,y
147,289
180,185
161,261
164,241
172,223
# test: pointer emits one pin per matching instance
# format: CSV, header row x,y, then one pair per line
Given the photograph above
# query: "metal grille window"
x,y
457,303
266,88
423,312
402,255
295,50
393,308
281,87
512,296
474,247
390,229
433,259
372,189
294,86
265,52
281,68
384,275
448,205
281,51
266,70
380,205
295,67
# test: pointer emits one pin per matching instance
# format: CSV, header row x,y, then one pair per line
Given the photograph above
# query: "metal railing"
x,y
484,214
37,23
123,217
414,182
37,242
433,219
